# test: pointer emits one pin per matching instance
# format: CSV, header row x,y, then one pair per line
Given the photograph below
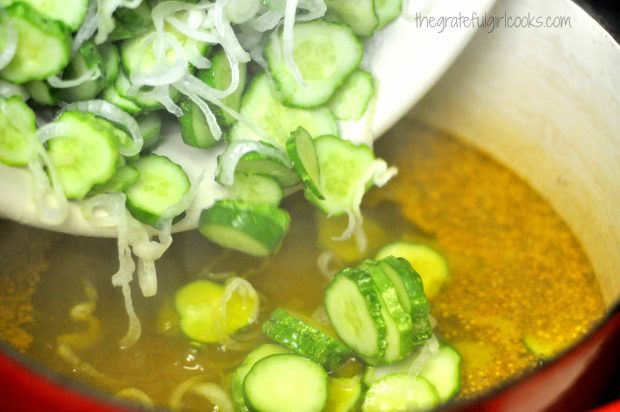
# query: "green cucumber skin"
x,y
14,71
305,340
262,222
124,177
111,62
340,108
236,384
218,77
390,302
366,287
189,134
279,87
42,93
387,11
150,127
257,163
311,182
344,10
113,96
8,154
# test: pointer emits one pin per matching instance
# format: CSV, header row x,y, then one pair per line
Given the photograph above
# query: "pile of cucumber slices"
x,y
379,314
86,86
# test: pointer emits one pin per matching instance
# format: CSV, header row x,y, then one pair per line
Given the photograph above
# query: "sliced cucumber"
x,y
443,371
195,130
260,106
87,154
325,54
426,261
255,158
111,63
400,392
399,335
354,309
139,54
131,22
200,304
301,151
410,291
162,184
359,15
18,132
344,394
42,93
124,177
253,228
236,384
139,97
150,127
306,340
351,100
388,11
284,383
343,165
70,12
219,77
256,188
43,47
111,95
85,60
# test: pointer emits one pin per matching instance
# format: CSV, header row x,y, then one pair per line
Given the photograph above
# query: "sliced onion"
x,y
164,72
48,196
430,349
228,39
288,41
162,95
89,75
199,385
210,118
379,174
236,150
87,29
194,33
136,395
8,34
315,9
112,113
324,262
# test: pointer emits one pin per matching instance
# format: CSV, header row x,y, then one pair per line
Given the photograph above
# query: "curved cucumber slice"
x,y
426,261
301,151
305,340
388,11
17,132
400,392
351,100
200,305
150,127
42,93
284,383
344,394
111,95
86,155
260,106
124,177
399,326
343,165
236,384
195,130
359,15
70,12
219,77
122,85
256,188
354,309
325,54
43,48
443,371
112,63
162,184
253,228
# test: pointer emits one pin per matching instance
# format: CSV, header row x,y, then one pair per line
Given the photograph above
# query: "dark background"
x,y
607,12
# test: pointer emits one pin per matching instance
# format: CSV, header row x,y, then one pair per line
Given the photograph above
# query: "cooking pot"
x,y
546,103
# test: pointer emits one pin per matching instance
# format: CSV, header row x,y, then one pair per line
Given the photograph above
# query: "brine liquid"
x,y
516,270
